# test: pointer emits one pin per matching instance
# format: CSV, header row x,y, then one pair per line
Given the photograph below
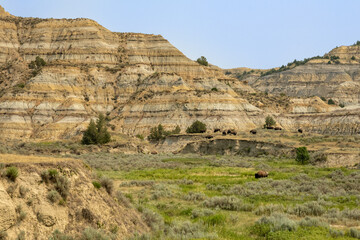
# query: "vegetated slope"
x,y
335,76
69,205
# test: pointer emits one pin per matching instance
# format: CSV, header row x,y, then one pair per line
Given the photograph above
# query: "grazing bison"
x,y
261,174
253,131
209,137
231,131
278,128
224,133
269,127
300,130
217,130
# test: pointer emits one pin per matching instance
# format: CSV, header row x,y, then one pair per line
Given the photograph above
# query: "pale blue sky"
x,y
230,33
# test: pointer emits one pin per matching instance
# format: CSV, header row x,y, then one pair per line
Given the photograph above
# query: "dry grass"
x,y
14,158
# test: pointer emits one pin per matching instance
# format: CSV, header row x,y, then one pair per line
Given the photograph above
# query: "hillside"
x,y
335,76
138,81
38,206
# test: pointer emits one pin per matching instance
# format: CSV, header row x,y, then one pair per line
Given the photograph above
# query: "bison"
x,y
209,137
224,133
269,127
217,130
231,131
253,131
261,174
278,128
300,130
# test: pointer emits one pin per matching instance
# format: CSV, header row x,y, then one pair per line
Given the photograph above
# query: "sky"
x,y
229,33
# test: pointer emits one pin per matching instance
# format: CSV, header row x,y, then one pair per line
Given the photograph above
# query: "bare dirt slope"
x,y
26,205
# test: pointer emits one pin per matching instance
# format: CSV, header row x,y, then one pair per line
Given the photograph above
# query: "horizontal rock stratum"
x,y
138,80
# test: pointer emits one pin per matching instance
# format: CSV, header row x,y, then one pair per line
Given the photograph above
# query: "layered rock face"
x,y
335,76
139,80
339,82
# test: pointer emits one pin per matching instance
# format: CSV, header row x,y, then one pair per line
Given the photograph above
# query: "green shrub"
x,y
223,202
213,220
108,184
196,213
196,127
341,105
269,121
53,196
312,222
187,230
62,185
23,191
323,98
331,102
354,233
12,173
57,235
195,196
309,208
214,89
203,61
96,133
122,199
96,184
21,215
140,136
21,236
94,234
157,133
302,155
37,64
353,58
154,220
278,222
336,233
177,130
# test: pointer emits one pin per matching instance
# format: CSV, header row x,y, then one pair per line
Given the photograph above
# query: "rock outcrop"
x,y
139,81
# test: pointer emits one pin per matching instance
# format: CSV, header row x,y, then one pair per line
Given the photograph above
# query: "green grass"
x,y
289,184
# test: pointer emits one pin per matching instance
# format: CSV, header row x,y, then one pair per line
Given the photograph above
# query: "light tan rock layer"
x,y
138,80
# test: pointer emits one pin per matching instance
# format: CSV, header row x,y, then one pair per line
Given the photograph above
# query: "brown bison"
x,y
231,131
209,137
278,128
253,131
269,127
224,133
261,174
300,130
217,130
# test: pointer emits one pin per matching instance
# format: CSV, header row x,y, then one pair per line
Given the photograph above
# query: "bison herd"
x,y
253,131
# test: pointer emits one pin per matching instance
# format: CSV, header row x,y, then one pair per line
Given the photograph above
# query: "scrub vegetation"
x,y
218,197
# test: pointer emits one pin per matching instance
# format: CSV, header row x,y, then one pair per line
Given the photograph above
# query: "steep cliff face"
x,y
139,80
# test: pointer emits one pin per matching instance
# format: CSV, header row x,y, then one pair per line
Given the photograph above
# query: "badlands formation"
x,y
141,80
